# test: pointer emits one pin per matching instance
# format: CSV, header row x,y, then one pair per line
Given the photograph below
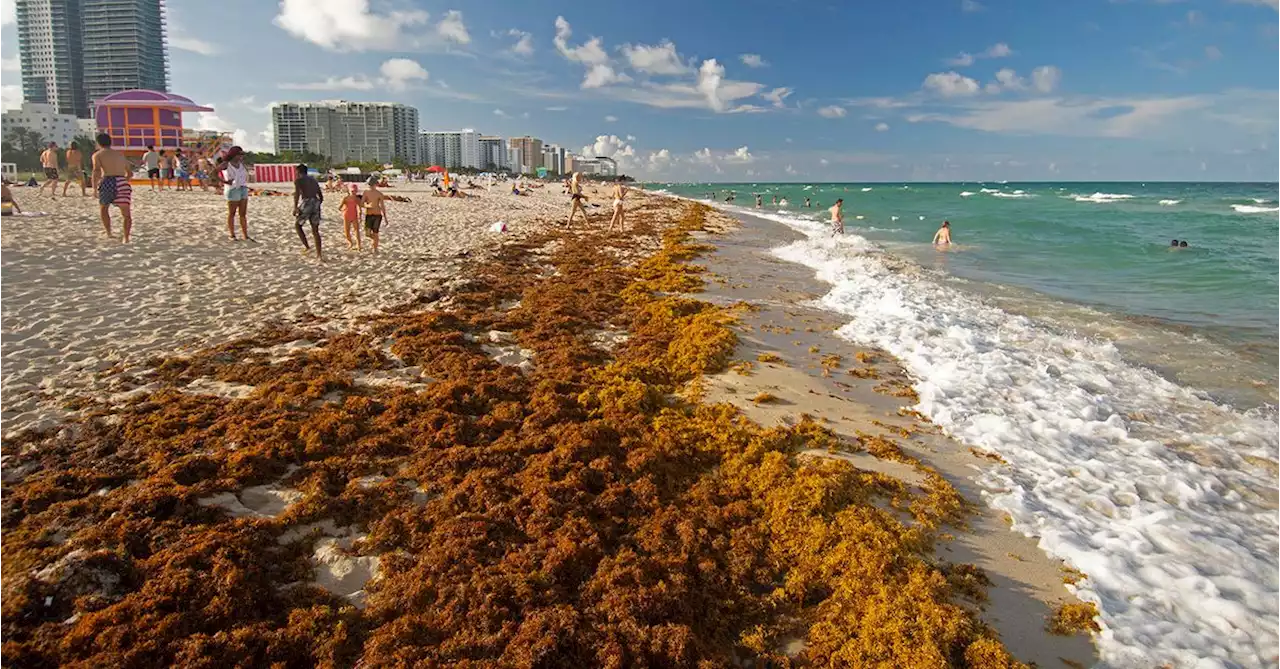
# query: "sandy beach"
x,y
545,447
77,305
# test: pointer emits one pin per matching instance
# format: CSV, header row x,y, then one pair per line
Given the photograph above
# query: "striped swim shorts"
x,y
115,190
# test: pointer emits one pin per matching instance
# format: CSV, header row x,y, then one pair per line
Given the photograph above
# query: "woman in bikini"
x,y
576,196
619,212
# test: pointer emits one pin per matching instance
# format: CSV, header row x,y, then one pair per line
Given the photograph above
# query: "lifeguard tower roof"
x,y
139,118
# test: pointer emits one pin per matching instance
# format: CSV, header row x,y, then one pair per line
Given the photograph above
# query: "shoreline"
x,y
343,465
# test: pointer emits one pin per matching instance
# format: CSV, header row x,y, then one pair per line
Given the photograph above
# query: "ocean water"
x,y
1131,388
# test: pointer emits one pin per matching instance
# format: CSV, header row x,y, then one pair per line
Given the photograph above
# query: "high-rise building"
x,y
553,158
123,46
348,131
76,51
530,153
49,48
599,166
493,154
451,149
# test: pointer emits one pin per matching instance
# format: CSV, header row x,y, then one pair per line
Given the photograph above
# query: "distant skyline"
x,y
970,90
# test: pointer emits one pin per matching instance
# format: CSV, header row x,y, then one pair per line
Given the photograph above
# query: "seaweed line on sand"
x,y
583,510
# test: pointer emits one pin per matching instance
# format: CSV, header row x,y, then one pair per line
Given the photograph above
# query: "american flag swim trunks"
x,y
115,190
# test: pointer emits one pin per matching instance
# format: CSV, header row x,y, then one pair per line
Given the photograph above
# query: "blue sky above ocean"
x,y
824,91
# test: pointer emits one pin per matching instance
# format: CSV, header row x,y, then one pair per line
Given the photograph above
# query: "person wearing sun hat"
x,y
235,185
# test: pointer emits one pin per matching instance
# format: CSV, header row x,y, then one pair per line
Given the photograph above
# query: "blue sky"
x,y
730,90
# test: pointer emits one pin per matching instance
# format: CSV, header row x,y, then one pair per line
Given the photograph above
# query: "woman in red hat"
x,y
235,185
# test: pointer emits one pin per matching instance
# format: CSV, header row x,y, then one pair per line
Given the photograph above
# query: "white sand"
x,y
76,303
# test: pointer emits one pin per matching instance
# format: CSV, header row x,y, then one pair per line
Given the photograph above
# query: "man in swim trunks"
x,y
111,181
152,160
943,236
307,198
49,161
837,217
75,170
375,211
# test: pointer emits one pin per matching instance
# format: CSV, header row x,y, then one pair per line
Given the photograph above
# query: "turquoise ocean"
x,y
1130,387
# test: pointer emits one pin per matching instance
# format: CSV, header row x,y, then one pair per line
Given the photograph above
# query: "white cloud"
x,y
1045,78
970,6
8,12
777,96
194,45
832,111
452,28
398,73
659,59
603,74
612,146
611,119
524,42
1099,117
950,84
709,77
1006,80
499,112
557,109
703,155
882,127
659,160
1212,52
1274,4
590,53
360,83
789,169
346,25
965,59
13,64
752,60
10,96
740,155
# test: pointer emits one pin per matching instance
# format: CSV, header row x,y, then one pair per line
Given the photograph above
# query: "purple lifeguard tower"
x,y
139,117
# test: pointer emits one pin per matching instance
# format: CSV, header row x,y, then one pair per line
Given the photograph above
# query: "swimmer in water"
x,y
759,201
1173,244
1182,244
943,235
806,203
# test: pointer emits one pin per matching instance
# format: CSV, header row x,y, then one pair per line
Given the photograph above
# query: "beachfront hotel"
x,y
348,131
450,148
76,51
530,151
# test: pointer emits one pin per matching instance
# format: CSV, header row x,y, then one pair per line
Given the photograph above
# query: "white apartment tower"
x,y
493,154
348,131
451,149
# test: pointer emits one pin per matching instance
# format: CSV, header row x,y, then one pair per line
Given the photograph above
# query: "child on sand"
x,y
111,181
375,211
307,188
351,207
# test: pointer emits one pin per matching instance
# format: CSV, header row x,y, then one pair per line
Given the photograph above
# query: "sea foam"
x,y
1101,197
1250,209
1136,481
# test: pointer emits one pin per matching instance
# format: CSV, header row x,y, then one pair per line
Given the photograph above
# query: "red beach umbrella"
x,y
435,168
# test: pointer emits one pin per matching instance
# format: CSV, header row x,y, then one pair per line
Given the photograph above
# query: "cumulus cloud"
x,y
8,12
659,160
612,146
832,111
777,96
709,77
398,73
1045,78
611,119
347,25
603,74
882,127
752,60
10,96
740,155
452,28
703,155
524,42
654,59
590,53
950,84
1006,80
185,42
13,64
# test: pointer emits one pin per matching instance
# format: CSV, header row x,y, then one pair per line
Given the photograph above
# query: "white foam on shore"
x,y
1140,483
1250,209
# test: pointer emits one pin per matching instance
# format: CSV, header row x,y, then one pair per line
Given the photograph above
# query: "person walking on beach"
x,y
152,160
943,236
620,191
837,217
181,169
577,199
350,208
49,161
235,187
307,198
375,211
111,181
75,170
166,170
